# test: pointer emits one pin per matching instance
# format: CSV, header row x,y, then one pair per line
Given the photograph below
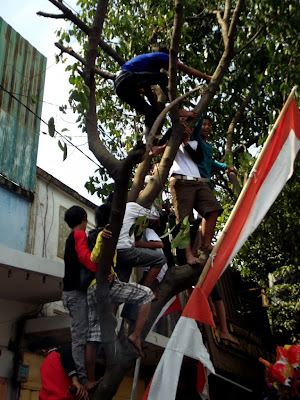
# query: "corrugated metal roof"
x,y
22,75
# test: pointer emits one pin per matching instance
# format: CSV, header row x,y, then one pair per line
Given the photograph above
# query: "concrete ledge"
x,y
45,324
18,259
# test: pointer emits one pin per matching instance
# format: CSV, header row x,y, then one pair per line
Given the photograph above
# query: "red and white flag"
x,y
186,340
272,169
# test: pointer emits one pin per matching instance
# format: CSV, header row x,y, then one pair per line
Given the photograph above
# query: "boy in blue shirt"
x,y
140,73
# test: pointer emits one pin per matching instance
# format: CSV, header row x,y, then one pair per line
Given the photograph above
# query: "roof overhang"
x,y
28,278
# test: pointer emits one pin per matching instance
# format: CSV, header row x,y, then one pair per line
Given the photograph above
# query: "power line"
x,y
60,134
55,105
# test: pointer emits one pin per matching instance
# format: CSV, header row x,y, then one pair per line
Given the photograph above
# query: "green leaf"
x,y
33,99
51,127
64,149
182,239
167,231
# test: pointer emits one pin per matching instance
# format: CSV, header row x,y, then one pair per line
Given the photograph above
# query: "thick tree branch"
x,y
234,21
68,14
178,21
71,52
176,280
95,145
139,178
164,112
111,52
222,66
227,12
47,15
224,26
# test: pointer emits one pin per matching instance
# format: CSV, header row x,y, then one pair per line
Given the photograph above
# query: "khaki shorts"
x,y
189,195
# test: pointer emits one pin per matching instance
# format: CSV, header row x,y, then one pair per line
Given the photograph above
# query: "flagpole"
x,y
135,378
242,194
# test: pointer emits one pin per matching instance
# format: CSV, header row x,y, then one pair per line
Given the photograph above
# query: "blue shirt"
x,y
208,164
151,62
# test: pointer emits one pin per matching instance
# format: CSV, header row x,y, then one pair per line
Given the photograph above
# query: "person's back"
x,y
71,280
77,266
151,62
58,372
143,71
129,255
55,382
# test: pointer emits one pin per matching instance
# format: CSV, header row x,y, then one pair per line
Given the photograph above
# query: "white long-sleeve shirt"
x,y
132,212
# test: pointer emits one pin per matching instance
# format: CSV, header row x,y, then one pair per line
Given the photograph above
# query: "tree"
x,y
215,39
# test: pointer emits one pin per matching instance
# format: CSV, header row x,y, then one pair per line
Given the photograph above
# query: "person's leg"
x,y
133,293
151,276
197,243
94,337
183,194
128,91
125,263
221,316
209,208
76,302
146,78
208,229
150,258
139,257
190,257
90,359
141,318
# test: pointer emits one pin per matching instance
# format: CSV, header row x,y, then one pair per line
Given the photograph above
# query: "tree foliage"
x,y
266,47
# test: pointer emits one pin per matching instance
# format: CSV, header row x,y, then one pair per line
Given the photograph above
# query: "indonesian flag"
x,y
272,169
186,340
174,306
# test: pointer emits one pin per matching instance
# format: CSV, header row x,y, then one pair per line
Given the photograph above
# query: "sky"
x,y
40,32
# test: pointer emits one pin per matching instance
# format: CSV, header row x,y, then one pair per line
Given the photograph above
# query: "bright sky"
x,y
39,31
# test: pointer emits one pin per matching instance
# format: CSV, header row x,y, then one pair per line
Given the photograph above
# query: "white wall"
x,y
44,224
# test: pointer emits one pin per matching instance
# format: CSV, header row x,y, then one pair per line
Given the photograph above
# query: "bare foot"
x,y
192,260
227,336
207,249
136,342
90,385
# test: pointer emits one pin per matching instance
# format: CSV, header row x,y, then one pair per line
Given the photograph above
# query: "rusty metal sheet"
x,y
22,77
